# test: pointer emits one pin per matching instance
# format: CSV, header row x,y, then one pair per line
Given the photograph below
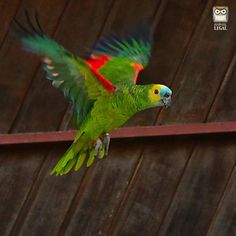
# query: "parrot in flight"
x,y
101,87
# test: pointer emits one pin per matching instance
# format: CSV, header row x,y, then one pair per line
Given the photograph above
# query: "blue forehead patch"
x,y
165,90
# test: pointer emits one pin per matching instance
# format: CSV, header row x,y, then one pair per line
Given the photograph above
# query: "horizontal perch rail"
x,y
125,132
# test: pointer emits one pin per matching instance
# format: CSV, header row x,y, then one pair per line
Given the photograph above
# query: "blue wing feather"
x,y
135,45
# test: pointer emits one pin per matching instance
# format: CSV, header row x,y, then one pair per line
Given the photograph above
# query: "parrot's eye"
x,y
156,91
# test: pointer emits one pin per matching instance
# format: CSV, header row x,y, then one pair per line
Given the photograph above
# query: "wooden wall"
x,y
170,186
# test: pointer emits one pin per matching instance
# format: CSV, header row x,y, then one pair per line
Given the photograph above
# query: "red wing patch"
x,y
138,67
95,63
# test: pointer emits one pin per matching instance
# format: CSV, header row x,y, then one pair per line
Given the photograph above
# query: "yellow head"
x,y
159,95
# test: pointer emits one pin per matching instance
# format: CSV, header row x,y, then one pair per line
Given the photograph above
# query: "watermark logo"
x,y
220,17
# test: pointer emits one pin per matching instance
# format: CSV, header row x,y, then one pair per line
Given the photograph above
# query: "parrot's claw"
x,y
98,147
106,143
102,146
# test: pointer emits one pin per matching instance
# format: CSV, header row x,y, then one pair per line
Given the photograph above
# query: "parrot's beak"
x,y
166,101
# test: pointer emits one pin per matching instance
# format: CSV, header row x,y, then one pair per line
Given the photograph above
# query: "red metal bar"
x,y
126,132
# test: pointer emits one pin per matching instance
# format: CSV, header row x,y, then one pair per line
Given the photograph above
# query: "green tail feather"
x,y
75,157
80,161
91,158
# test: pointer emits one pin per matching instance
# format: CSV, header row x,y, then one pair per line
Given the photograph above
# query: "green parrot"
x,y
101,87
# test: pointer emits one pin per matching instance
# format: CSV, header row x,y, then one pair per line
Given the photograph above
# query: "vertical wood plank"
x,y
224,104
199,77
106,185
157,178
48,200
19,167
224,222
200,189
6,13
204,182
18,171
18,67
172,37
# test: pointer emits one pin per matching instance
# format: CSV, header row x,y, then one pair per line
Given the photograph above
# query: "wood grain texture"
x,y
17,70
224,221
199,77
214,158
223,107
16,73
172,36
7,11
158,176
106,185
47,204
16,177
200,189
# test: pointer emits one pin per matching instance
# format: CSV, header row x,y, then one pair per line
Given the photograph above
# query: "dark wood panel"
x,y
213,159
47,204
201,188
94,207
18,67
18,170
16,70
155,182
199,77
172,35
224,105
136,11
6,12
224,222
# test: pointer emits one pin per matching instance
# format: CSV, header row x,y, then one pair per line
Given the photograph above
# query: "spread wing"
x,y
125,57
115,62
69,73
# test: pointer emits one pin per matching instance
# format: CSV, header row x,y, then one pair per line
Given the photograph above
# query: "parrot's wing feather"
x,y
64,70
67,72
126,56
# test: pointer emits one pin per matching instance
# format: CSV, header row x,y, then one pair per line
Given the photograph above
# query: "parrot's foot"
x,y
102,146
106,143
98,148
